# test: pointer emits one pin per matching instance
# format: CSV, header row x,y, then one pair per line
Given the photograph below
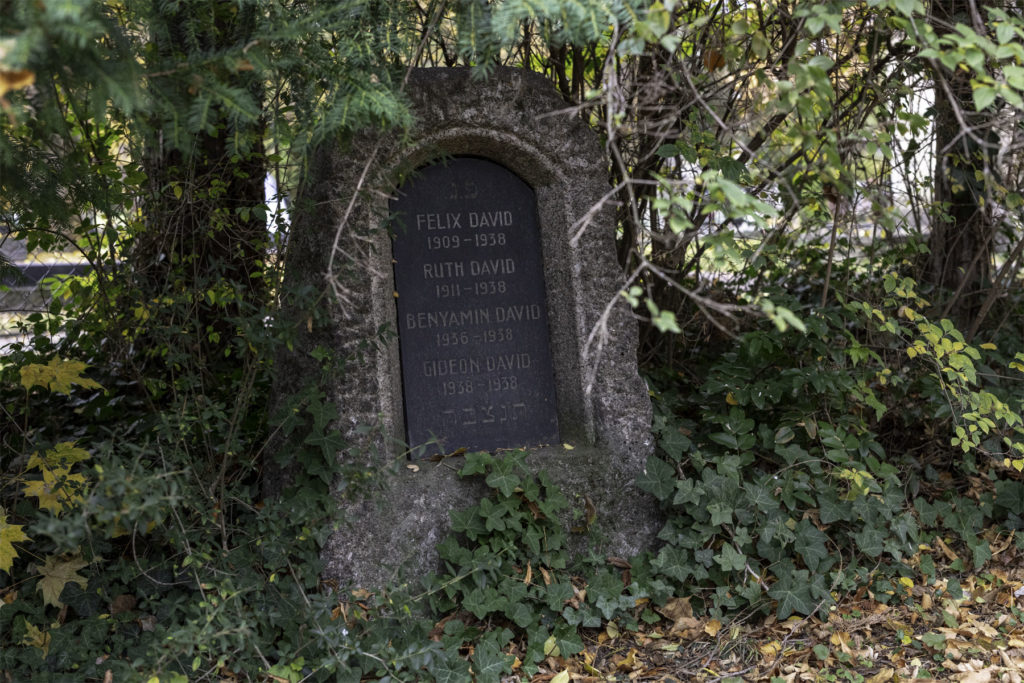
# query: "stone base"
x,y
391,536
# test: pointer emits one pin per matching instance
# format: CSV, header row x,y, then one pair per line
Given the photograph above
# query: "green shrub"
x,y
797,472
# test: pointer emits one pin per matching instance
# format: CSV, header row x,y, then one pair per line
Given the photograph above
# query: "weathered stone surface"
x,y
517,120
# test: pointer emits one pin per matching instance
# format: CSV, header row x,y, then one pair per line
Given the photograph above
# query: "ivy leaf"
x,y
688,492
725,439
328,441
9,535
980,552
604,584
673,563
557,595
674,442
906,529
533,537
482,602
658,478
57,489
793,593
760,496
502,478
476,463
832,510
721,513
870,541
605,592
494,516
521,614
56,574
810,543
730,558
489,663
86,603
936,641
1010,495
451,670
567,640
468,522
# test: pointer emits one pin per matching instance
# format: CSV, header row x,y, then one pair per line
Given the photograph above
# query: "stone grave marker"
x,y
473,334
475,306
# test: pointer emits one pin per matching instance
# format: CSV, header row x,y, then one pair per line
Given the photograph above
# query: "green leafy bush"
x,y
135,537
795,473
507,560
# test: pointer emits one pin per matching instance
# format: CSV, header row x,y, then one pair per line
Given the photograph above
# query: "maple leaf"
x,y
63,455
36,638
58,573
58,375
56,490
9,535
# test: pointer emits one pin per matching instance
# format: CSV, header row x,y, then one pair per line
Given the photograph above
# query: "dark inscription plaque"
x,y
472,312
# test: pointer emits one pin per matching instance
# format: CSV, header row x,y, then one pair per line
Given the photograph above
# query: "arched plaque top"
x,y
477,370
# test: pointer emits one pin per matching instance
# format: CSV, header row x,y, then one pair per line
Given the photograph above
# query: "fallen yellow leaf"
x,y
770,650
713,627
882,676
946,550
676,608
841,639
547,577
36,638
627,663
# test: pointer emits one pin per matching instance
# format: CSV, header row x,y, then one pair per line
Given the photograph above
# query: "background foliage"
x,y
820,227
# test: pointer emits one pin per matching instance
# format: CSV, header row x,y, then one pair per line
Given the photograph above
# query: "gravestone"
x,y
474,306
473,334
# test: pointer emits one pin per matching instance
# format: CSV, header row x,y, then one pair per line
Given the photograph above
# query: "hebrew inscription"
x,y
472,312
